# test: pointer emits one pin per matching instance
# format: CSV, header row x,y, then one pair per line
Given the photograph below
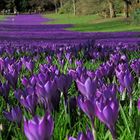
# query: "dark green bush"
x,y
136,16
67,8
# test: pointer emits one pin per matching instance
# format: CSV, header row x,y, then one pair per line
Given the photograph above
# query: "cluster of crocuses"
x,y
42,89
45,85
40,63
98,89
101,103
32,28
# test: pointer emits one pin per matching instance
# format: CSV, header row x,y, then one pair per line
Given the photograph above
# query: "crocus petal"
x,y
90,88
81,88
139,104
107,112
86,107
27,132
72,138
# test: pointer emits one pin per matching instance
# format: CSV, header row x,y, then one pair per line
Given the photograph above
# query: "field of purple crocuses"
x,y
57,84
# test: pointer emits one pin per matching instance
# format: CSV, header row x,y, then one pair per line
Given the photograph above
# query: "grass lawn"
x,y
2,17
93,23
71,19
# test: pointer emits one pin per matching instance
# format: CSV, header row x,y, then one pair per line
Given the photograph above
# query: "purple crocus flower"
x,y
63,82
91,74
88,88
4,90
30,65
50,88
43,78
25,81
80,71
82,136
73,74
68,56
139,104
46,92
1,64
135,65
19,66
87,107
42,68
125,78
15,115
18,93
49,59
128,81
12,77
79,63
39,128
30,102
106,69
115,58
33,81
107,111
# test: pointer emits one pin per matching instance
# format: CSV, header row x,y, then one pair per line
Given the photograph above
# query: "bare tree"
x,y
55,3
127,4
61,3
74,6
111,8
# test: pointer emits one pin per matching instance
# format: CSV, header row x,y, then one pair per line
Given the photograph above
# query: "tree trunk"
x,y
55,8
74,7
126,8
111,9
61,3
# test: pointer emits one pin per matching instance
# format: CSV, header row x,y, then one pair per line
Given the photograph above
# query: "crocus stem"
x,y
139,82
65,107
130,105
113,132
8,106
93,131
64,102
114,139
114,136
123,95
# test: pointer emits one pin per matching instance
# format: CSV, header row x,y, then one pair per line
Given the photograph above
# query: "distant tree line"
x,y
27,5
106,8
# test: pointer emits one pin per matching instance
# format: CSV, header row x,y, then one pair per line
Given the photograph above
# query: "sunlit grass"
x,y
2,17
93,23
71,19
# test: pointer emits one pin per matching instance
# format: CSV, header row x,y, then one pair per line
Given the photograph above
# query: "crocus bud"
x,y
88,88
15,115
30,102
87,107
135,65
107,112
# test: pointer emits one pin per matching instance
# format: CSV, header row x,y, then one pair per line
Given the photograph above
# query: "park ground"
x,y
92,23
1,17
